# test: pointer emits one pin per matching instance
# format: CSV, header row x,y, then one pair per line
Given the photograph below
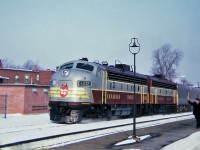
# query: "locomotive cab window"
x,y
66,66
85,66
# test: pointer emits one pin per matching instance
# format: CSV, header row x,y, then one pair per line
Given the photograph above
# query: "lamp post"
x,y
134,48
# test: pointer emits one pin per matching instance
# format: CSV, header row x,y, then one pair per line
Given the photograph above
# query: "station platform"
x,y
165,137
174,135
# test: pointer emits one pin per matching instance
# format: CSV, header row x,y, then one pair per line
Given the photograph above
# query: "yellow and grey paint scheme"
x,y
72,93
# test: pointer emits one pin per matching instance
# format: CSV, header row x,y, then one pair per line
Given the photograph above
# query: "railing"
x,y
3,105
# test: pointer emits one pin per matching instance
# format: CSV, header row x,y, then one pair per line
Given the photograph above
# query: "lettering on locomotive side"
x,y
113,96
161,98
169,99
130,97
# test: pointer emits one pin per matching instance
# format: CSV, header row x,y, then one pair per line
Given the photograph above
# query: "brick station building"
x,y
26,90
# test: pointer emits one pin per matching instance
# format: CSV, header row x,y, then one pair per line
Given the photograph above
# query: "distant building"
x,y
26,90
20,76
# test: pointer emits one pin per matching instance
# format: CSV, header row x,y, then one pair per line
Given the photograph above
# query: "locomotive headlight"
x,y
65,73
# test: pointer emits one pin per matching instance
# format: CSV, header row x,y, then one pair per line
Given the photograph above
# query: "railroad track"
x,y
86,134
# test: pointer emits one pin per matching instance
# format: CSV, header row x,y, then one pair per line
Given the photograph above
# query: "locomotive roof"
x,y
157,82
120,71
120,74
128,76
161,80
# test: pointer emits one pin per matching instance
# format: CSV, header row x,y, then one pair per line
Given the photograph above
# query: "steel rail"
x,y
81,132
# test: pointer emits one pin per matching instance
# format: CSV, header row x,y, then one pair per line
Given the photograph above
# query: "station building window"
x,y
26,78
16,78
37,77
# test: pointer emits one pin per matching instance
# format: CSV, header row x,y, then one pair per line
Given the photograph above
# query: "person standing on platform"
x,y
196,110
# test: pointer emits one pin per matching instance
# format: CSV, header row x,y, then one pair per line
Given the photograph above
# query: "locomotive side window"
x,y
152,90
113,85
66,66
145,89
85,66
110,85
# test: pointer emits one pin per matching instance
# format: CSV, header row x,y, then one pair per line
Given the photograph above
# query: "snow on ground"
x,y
17,120
21,127
189,143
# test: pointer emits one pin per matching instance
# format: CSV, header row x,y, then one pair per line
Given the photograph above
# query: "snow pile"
x,y
130,140
189,143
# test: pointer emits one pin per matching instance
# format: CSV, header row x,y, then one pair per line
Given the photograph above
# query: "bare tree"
x,y
9,64
31,65
28,65
165,61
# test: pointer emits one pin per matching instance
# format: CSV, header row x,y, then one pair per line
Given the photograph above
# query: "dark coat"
x,y
196,107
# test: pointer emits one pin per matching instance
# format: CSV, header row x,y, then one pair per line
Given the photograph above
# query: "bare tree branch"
x,y
165,61
28,65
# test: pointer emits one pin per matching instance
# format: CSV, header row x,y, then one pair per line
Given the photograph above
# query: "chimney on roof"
x,y
1,65
35,68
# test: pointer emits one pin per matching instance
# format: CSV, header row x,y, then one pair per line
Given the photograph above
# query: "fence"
x,y
3,105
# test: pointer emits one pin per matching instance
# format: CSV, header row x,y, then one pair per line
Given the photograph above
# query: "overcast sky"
x,y
52,32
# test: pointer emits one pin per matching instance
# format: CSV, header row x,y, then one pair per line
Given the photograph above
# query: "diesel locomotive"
x,y
81,88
